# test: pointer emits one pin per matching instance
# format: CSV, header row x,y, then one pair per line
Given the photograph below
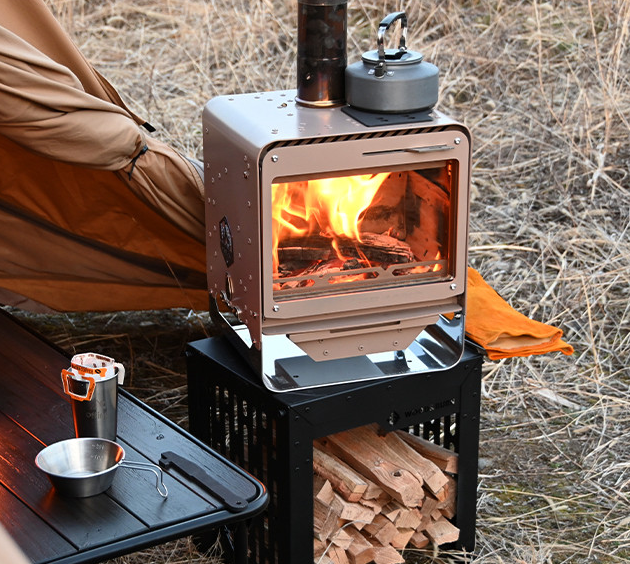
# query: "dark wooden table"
x,y
131,515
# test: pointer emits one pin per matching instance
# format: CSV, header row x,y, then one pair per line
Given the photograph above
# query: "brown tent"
x,y
94,213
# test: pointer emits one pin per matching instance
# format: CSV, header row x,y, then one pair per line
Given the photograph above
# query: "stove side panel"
x,y
233,246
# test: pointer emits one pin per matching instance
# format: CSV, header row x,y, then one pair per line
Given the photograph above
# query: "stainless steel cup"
x,y
96,417
92,384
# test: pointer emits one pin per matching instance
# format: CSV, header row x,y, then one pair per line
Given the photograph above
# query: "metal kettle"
x,y
392,80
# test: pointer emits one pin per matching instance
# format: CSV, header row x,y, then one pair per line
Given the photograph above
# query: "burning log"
x,y
383,493
297,253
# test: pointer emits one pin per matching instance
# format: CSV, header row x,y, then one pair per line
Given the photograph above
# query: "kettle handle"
x,y
385,24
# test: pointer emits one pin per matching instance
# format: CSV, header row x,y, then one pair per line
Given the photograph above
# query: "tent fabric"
x,y
95,215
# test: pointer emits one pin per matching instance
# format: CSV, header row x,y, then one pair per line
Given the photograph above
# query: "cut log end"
x,y
383,492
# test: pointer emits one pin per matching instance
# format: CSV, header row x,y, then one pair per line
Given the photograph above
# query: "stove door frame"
x,y
358,156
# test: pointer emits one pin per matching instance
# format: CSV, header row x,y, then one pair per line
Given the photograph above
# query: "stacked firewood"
x,y
375,494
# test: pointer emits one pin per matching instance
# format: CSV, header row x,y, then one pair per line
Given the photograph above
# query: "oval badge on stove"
x,y
227,244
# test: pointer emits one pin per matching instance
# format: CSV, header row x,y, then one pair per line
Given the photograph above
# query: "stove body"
x,y
309,302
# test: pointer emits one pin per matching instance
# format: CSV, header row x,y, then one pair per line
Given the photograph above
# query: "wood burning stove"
x,y
337,239
336,254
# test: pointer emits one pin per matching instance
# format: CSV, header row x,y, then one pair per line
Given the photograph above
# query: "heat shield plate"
x,y
285,367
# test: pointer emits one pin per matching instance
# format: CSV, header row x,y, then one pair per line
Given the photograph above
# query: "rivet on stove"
x,y
274,158
457,140
245,174
276,308
453,286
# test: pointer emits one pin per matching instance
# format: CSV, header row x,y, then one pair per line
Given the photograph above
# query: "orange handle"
x,y
65,374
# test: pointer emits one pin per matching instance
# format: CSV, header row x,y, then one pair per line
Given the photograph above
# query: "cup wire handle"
x,y
160,486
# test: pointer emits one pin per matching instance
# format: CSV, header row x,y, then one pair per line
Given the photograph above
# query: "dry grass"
x,y
544,88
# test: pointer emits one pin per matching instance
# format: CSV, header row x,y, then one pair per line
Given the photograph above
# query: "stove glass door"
x,y
336,234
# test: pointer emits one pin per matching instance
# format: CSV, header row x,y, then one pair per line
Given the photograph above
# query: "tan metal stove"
x,y
337,239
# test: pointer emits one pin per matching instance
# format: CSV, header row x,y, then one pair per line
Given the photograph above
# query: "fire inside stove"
x,y
335,234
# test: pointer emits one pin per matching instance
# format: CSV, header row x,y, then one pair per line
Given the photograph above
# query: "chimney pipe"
x,y
321,52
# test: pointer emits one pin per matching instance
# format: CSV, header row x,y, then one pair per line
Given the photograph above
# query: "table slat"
x,y
85,522
152,438
135,489
37,357
49,416
36,538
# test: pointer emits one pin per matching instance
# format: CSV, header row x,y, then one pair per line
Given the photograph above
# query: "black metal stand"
x,y
271,435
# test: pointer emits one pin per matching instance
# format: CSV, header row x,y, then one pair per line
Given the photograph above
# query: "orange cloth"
x,y
502,331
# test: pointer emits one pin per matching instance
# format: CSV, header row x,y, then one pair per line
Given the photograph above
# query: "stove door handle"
x,y
429,149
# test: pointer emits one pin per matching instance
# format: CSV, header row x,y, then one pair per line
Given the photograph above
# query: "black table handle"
x,y
198,475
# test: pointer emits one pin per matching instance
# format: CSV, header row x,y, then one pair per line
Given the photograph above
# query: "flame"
x,y
330,207
437,267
